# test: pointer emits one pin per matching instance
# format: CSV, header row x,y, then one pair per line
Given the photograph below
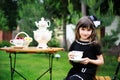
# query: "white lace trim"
x,y
84,43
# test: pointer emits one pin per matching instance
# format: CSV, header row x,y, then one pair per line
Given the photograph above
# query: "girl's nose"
x,y
85,32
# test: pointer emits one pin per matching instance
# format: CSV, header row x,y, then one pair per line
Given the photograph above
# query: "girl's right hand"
x,y
70,55
85,61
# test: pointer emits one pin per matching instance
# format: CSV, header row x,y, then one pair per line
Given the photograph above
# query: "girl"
x,y
85,41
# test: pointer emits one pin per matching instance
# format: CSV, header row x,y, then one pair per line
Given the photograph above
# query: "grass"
x,y
32,65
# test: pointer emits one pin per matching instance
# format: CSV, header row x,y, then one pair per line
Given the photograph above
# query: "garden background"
x,y
23,14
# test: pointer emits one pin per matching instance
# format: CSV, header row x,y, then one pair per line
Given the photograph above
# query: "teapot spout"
x,y
36,23
35,32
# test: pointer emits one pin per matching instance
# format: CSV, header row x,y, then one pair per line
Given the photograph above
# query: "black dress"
x,y
80,71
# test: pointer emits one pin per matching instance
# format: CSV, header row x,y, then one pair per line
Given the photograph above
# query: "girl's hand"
x,y
70,55
85,61
98,61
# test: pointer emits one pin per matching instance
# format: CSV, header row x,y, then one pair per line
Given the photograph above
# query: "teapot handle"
x,y
49,23
11,41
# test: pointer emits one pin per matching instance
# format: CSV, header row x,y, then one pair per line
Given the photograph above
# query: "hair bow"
x,y
95,20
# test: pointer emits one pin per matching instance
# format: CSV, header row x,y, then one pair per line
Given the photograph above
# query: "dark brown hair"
x,y
85,22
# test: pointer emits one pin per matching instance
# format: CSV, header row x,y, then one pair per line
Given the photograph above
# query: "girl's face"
x,y
85,33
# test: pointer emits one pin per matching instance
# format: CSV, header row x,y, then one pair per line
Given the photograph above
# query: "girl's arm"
x,y
98,61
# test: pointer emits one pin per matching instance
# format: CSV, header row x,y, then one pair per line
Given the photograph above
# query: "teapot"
x,y
42,37
42,23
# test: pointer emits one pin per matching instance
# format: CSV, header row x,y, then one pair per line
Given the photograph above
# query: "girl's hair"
x,y
86,22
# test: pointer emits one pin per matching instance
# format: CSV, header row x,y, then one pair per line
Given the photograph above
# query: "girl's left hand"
x,y
85,61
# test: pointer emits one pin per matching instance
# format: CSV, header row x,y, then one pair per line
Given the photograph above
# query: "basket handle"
x,y
21,33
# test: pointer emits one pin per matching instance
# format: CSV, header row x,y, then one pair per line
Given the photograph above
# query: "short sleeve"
x,y
72,46
97,49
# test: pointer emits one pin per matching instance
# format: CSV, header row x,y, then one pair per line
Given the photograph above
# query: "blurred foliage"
x,y
108,41
56,8
5,44
116,7
103,10
70,8
10,10
118,28
3,21
60,12
29,12
54,43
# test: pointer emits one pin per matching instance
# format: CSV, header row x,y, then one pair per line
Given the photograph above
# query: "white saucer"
x,y
77,60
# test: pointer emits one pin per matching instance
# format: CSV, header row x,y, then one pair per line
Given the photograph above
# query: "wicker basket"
x,y
21,41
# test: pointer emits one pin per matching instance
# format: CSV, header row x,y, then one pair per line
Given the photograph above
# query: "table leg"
x,y
50,67
116,73
12,66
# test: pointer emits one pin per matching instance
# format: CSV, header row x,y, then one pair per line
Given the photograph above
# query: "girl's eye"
x,y
82,28
89,30
86,29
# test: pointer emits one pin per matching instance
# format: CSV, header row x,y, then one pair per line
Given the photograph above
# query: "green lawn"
x,y
32,65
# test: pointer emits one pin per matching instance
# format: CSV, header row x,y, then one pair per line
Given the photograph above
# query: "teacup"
x,y
17,42
77,54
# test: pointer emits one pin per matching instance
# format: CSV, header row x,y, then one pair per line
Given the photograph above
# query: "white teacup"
x,y
17,42
77,54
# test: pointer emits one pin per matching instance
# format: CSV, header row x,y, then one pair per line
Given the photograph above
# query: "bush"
x,y
5,43
109,40
3,21
54,43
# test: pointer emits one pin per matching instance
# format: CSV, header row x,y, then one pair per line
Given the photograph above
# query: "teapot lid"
x,y
42,19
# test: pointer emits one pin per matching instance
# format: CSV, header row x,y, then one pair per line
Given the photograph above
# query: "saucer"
x,y
77,60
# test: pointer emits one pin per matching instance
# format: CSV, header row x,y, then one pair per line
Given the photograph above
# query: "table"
x,y
30,50
117,70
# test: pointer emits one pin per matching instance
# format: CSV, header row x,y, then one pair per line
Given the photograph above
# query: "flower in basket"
x,y
20,40
27,41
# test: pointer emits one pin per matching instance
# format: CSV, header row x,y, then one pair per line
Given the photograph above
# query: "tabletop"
x,y
31,49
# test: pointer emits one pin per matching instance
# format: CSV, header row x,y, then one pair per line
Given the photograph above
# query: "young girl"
x,y
85,41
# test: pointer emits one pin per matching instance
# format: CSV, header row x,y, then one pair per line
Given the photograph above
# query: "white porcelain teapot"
x,y
42,37
42,23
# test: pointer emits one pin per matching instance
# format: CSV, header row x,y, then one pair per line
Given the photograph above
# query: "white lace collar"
x,y
83,43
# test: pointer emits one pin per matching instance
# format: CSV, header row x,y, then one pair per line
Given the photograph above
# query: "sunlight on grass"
x,y
32,65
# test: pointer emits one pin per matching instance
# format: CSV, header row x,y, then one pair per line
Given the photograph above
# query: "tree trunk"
x,y
83,8
1,35
64,34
